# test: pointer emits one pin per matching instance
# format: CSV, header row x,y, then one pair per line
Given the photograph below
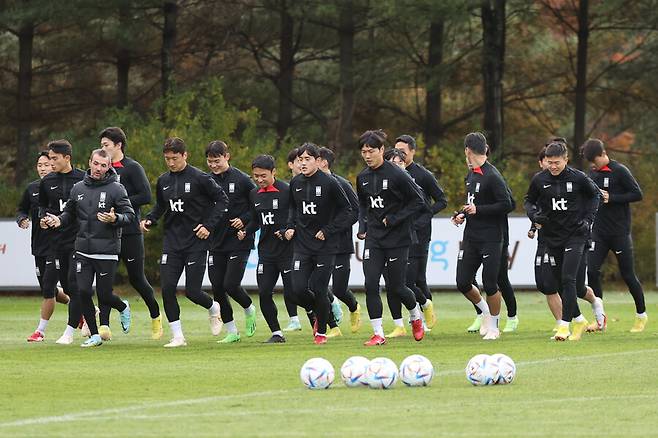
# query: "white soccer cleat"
x,y
64,340
84,331
486,322
176,342
492,334
216,325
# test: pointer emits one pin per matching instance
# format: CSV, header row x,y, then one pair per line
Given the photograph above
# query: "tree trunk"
x,y
286,71
433,85
123,60
24,102
581,79
346,33
170,9
493,62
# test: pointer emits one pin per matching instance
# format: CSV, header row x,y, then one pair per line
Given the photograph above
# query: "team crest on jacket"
x,y
275,204
318,191
231,187
606,182
187,187
569,187
384,184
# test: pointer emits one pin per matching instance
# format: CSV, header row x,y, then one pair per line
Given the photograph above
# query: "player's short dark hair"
x,y
216,148
542,154
556,140
115,134
42,154
409,140
175,145
477,142
310,148
263,162
328,154
101,153
556,149
292,155
592,148
389,154
374,138
62,147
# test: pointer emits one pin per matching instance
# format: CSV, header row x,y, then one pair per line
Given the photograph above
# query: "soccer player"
x,y
228,255
388,200
26,214
612,225
132,176
269,212
436,199
101,207
291,307
566,201
192,204
485,213
318,210
342,269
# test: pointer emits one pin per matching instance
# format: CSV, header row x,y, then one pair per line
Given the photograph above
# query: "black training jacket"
x,y
186,199
345,239
132,176
614,217
28,208
565,204
434,197
90,197
388,192
317,203
269,212
237,185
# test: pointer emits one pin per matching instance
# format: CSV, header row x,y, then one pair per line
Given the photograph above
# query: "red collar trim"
x,y
605,169
478,170
117,164
268,189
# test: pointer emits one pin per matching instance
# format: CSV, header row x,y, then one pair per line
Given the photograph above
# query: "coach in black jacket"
x,y
100,206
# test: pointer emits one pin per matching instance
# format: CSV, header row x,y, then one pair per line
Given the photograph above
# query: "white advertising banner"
x,y
17,265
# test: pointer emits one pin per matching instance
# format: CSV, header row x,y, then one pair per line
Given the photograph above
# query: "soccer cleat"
x,y
315,326
475,326
562,333
320,339
556,327
275,339
639,324
492,334
397,332
337,311
250,323
578,329
216,324
417,329
430,316
64,340
375,340
156,328
105,333
511,325
355,319
230,338
37,336
125,318
334,332
84,331
93,341
601,324
176,342
486,323
293,326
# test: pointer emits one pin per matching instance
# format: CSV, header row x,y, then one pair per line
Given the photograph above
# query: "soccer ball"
x,y
416,370
382,373
353,372
317,373
478,370
505,368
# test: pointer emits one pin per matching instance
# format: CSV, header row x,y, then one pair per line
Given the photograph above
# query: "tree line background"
x,y
266,75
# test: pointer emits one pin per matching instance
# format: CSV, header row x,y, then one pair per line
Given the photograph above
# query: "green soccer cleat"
x,y
93,341
250,324
337,311
475,327
230,338
125,318
511,325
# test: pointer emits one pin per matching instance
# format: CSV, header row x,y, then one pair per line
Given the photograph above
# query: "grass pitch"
x,y
604,385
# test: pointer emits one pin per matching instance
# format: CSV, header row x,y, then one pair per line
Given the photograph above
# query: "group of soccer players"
x,y
83,223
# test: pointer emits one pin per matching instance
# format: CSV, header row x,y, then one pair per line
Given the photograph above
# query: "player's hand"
x,y
52,221
605,195
144,225
361,236
108,218
290,233
201,232
242,234
458,219
24,223
470,209
319,235
531,233
236,223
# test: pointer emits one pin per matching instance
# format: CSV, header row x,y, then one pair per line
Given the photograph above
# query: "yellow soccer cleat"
x,y
639,324
578,329
105,332
562,333
156,328
334,332
430,316
355,319
397,332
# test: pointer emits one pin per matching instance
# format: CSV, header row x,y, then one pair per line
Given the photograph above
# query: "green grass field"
x,y
603,385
